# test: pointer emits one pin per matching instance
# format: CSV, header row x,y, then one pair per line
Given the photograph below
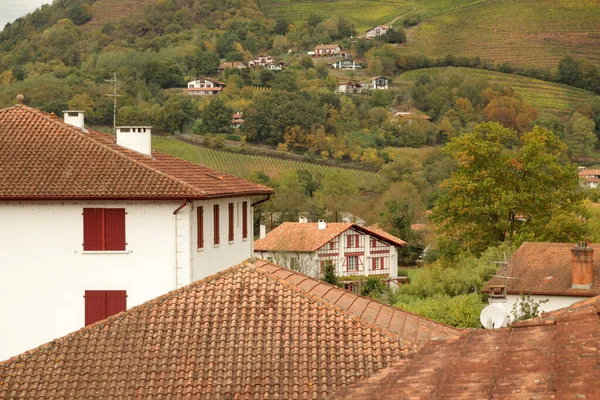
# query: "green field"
x,y
525,32
243,164
548,98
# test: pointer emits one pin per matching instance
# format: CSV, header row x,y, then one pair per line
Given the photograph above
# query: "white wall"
x,y
45,273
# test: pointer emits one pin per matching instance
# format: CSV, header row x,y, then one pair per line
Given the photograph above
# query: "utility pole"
x,y
114,95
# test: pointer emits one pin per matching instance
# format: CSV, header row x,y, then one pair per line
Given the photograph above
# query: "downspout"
x,y
175,239
180,207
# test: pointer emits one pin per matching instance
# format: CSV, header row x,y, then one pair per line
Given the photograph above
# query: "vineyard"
x,y
548,98
113,11
524,32
242,165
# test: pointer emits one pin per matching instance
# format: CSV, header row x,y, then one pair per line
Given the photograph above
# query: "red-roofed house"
x,y
352,249
91,224
589,178
559,273
378,30
204,87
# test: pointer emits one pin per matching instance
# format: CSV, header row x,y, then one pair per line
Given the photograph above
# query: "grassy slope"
x,y
525,32
548,98
243,164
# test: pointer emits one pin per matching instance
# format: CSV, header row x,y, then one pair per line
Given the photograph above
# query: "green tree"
x,y
177,112
506,186
216,116
329,275
582,138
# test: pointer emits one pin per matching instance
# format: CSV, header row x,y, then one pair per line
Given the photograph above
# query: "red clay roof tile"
x,y
42,157
553,356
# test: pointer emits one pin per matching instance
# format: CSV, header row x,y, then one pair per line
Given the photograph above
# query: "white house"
x,y
378,30
346,65
91,224
204,87
352,87
379,82
559,274
589,178
327,50
352,249
231,65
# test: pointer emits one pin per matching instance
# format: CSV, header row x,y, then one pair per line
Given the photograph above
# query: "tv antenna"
x,y
114,95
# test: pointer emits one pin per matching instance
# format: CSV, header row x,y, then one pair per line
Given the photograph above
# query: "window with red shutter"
x,y
101,304
245,220
231,215
200,223
104,229
216,223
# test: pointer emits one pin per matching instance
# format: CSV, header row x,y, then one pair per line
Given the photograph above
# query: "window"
x,y
231,215
216,223
200,226
101,304
352,263
245,220
293,263
352,241
103,229
325,264
377,263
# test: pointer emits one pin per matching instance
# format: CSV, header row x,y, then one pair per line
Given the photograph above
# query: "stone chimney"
x,y
136,138
303,220
582,266
322,224
75,118
263,231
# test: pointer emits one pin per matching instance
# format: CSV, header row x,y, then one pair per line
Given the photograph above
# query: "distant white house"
x,y
378,30
356,87
379,82
92,224
559,274
237,120
589,178
327,50
346,65
352,249
204,87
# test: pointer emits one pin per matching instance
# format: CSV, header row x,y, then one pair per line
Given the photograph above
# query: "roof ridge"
x,y
60,123
120,316
367,298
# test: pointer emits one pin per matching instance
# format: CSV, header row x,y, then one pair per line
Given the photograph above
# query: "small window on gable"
x,y
104,229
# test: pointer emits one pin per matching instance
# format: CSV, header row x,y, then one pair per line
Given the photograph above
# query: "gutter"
x,y
128,198
180,207
261,201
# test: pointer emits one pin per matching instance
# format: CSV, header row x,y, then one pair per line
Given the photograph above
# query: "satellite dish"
x,y
492,317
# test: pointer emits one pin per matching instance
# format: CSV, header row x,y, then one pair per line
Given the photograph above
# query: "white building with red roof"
x,y
93,224
353,250
204,87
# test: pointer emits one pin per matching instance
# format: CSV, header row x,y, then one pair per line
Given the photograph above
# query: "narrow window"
x,y
101,304
216,223
245,220
103,229
200,221
352,263
231,224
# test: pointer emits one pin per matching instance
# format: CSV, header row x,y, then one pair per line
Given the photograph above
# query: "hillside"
x,y
104,11
524,32
548,98
242,165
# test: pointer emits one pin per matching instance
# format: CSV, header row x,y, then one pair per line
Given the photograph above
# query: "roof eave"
x,y
130,198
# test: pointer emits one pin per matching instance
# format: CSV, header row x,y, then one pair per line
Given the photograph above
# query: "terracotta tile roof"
x,y
588,172
243,333
412,328
326,46
306,237
555,357
42,157
544,268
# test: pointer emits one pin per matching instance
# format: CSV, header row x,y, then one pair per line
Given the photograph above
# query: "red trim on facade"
x,y
231,216
200,226
217,238
244,220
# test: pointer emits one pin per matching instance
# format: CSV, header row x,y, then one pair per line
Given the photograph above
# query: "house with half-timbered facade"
x,y
204,87
353,250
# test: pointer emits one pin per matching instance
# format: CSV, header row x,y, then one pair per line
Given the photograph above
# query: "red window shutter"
x,y
231,211
374,263
245,220
114,231
116,301
349,241
216,223
200,215
357,238
95,306
93,236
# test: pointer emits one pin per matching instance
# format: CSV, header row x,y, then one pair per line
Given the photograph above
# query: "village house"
x,y
378,30
589,178
252,331
559,274
327,50
237,120
379,82
351,249
261,61
204,87
346,65
94,224
351,87
230,64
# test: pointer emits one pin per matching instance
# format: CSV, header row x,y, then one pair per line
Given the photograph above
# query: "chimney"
x,y
582,266
75,118
136,138
303,220
322,224
263,231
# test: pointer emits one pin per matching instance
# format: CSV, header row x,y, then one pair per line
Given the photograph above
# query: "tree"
x,y
281,26
176,113
506,186
329,275
581,134
216,116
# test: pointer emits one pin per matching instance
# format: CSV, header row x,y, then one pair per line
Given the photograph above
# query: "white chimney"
x,y
263,231
303,220
136,138
322,224
75,118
